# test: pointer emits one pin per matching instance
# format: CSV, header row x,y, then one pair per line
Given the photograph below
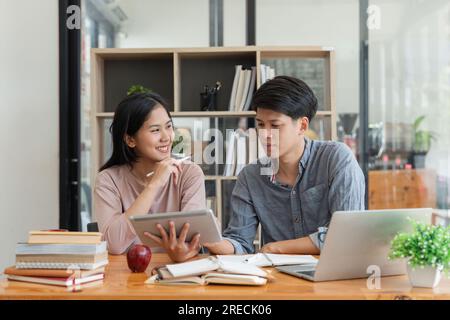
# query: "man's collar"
x,y
306,153
301,164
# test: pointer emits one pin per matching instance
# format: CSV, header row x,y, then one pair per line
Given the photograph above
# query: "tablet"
x,y
200,221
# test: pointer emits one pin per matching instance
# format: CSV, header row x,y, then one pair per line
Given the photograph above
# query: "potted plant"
x,y
422,143
427,249
137,88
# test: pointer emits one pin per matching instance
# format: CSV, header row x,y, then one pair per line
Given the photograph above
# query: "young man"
x,y
294,191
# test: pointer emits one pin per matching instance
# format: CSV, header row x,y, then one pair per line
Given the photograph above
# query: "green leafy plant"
x,y
422,138
177,140
137,89
427,245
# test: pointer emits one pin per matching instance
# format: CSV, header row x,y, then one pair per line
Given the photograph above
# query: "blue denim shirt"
x,y
329,180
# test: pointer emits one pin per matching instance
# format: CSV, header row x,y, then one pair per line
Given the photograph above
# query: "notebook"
x,y
32,248
64,282
61,258
210,270
65,237
60,265
269,259
210,278
52,273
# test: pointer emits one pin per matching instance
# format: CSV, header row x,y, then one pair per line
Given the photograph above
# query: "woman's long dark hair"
x,y
130,114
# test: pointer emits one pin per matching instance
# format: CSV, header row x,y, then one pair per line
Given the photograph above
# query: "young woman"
x,y
142,134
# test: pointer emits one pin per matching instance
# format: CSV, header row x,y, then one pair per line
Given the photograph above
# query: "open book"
x,y
210,270
268,259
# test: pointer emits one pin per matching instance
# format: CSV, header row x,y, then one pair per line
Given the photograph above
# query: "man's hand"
x,y
272,247
302,245
177,249
221,247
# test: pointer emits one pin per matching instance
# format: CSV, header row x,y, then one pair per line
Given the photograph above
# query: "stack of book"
x,y
244,84
243,147
60,258
266,73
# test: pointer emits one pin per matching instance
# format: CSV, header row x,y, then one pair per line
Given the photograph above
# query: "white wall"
x,y
234,23
317,22
28,121
168,23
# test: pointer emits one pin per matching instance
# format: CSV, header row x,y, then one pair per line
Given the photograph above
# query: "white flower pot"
x,y
426,277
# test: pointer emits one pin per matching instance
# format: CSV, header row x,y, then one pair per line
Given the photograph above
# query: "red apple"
x,y
138,257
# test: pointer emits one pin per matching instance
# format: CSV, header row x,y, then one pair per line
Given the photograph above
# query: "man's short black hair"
x,y
287,95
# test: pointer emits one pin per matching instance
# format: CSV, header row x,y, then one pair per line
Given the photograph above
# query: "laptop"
x,y
357,240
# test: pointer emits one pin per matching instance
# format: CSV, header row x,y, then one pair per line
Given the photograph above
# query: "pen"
x,y
251,259
180,160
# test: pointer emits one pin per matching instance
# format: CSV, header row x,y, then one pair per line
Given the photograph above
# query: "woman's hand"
x,y
177,249
163,170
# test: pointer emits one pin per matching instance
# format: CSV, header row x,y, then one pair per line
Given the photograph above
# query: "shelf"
x,y
205,114
179,74
213,114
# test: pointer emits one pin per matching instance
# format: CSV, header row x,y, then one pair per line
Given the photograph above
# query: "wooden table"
x,y
120,283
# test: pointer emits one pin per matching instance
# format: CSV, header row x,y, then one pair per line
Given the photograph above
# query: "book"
x,y
263,73
64,282
261,151
209,278
250,90
52,273
271,73
268,259
64,237
252,145
62,258
58,248
246,84
230,161
202,266
210,270
241,150
232,104
60,265
239,90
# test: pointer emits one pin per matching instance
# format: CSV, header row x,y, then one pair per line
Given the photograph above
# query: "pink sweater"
x,y
117,188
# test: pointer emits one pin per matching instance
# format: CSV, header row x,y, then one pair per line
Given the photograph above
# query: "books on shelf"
x,y
64,237
211,203
251,90
237,74
267,73
244,83
252,145
210,270
242,149
230,160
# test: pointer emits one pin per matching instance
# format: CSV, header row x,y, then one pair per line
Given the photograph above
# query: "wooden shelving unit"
x,y
178,74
